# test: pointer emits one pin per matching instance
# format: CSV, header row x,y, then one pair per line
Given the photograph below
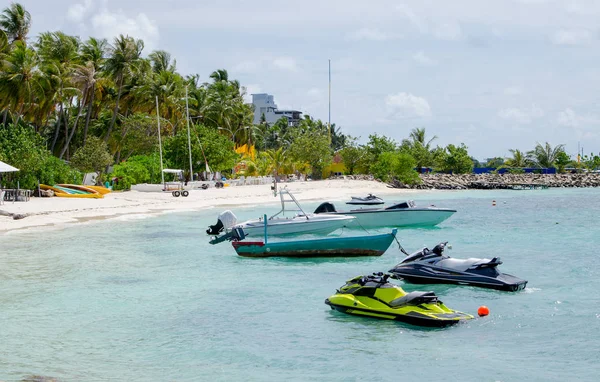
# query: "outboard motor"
x,y
225,220
325,207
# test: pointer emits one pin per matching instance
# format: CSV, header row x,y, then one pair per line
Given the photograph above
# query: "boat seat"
x,y
414,298
462,264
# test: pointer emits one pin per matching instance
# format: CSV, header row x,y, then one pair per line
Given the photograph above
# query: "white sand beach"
x,y
56,211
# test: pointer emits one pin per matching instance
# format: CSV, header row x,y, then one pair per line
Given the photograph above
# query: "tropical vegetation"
x,y
69,106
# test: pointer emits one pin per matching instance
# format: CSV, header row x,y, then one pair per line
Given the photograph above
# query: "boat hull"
x,y
430,275
376,218
63,194
320,224
414,315
373,245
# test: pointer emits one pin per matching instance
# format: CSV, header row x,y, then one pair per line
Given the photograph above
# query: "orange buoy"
x,y
483,311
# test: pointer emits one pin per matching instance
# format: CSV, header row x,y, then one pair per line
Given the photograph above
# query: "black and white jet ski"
x,y
434,267
368,200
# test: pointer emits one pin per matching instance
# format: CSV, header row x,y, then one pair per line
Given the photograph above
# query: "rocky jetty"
x,y
502,181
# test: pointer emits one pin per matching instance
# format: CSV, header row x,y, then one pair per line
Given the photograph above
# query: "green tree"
x,y
519,159
455,159
15,21
313,149
396,165
562,161
122,64
495,162
93,157
419,148
274,162
352,156
545,156
138,169
217,148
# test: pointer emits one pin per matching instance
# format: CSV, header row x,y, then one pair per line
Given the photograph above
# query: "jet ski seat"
x,y
414,298
464,264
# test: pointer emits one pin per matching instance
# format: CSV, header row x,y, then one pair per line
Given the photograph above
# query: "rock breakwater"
x,y
501,181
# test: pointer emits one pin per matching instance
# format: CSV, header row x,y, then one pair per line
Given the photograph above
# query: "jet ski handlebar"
x,y
376,277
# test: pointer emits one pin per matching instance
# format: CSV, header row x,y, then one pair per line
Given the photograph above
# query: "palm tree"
x,y
420,147
92,54
15,21
220,75
277,160
123,61
161,61
545,156
417,137
3,44
519,159
59,55
18,79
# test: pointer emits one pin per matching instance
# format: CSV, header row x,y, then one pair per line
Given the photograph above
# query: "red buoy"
x,y
483,311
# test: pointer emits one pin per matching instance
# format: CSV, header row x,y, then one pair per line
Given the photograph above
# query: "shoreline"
x,y
56,212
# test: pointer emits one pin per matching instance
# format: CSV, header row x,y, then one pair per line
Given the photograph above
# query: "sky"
x,y
494,74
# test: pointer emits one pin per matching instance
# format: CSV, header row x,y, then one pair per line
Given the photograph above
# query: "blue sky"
x,y
494,74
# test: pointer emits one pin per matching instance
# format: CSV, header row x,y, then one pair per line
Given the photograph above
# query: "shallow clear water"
x,y
151,300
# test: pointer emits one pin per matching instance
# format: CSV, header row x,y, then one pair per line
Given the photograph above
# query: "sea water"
x,y
151,300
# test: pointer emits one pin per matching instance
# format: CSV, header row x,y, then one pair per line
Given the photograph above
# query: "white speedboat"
x,y
398,215
279,224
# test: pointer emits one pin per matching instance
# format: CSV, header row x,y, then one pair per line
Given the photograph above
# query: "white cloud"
x,y
523,115
285,63
407,105
448,31
421,58
77,12
572,37
110,24
371,34
570,118
99,21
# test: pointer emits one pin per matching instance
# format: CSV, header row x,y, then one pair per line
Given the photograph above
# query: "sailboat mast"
x,y
162,174
187,113
329,119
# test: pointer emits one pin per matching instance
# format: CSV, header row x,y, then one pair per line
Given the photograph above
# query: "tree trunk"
x,y
68,141
89,113
66,121
114,117
57,129
4,117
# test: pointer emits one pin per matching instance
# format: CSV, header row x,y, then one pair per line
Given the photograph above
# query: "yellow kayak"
x,y
64,192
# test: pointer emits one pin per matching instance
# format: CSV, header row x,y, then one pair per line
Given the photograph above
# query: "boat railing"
x,y
282,193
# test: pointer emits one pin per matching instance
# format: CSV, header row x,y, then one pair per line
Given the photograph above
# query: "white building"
x,y
264,104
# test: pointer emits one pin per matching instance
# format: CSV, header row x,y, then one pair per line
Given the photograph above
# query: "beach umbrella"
x,y
5,167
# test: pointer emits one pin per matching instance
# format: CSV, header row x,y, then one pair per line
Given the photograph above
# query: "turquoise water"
x,y
150,300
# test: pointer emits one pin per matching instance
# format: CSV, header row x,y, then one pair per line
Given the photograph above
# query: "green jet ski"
x,y
373,296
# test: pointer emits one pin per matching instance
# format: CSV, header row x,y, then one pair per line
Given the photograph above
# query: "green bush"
x,y
137,169
23,148
398,165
